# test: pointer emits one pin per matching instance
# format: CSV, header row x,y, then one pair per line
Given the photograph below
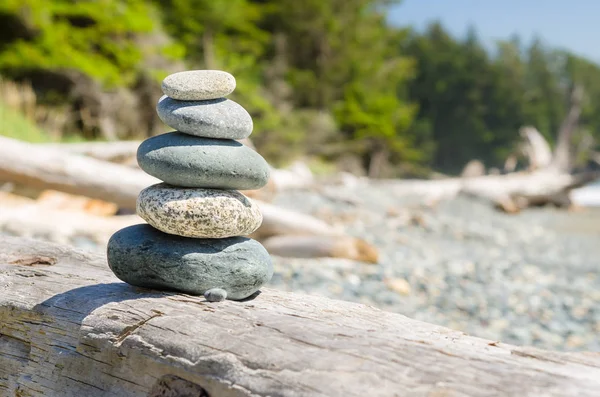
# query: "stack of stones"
x,y
197,218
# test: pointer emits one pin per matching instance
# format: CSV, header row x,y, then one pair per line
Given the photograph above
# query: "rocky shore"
x,y
531,278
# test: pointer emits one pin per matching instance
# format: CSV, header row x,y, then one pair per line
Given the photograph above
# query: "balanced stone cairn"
x,y
196,219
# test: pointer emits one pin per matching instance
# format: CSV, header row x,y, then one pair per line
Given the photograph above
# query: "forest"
x,y
331,81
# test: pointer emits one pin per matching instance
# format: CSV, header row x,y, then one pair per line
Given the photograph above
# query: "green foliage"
x,y
94,37
472,105
14,125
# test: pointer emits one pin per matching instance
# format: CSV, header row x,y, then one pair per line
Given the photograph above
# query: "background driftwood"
x,y
53,167
39,167
68,327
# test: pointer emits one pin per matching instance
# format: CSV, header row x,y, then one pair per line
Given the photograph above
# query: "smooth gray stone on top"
x,y
216,118
198,85
189,161
145,257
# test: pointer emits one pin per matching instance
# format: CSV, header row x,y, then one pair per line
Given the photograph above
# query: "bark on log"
x,y
70,328
28,164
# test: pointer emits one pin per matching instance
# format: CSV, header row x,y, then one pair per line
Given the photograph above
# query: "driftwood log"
x,y
282,221
43,168
549,179
72,168
39,167
25,217
322,246
29,218
510,192
50,168
115,151
68,327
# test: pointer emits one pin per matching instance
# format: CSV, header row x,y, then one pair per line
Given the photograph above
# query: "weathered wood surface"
x,y
69,328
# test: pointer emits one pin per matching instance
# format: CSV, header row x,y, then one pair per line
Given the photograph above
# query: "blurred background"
x,y
433,158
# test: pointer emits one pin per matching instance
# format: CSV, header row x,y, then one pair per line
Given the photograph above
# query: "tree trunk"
x,y
562,155
378,161
70,328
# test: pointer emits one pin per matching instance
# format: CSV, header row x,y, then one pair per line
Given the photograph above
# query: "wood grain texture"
x,y
68,327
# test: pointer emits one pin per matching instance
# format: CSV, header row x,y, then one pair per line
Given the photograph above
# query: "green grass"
x,y
14,125
321,168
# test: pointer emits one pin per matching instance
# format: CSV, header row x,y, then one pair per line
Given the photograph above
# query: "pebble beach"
x,y
527,279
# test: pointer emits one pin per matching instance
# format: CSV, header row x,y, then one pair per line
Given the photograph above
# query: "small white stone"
x,y
198,85
198,213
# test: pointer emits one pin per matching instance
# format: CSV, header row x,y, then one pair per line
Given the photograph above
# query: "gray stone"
x,y
198,85
199,213
189,161
216,118
215,295
145,257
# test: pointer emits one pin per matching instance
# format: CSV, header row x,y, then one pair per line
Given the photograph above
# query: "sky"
x,y
569,24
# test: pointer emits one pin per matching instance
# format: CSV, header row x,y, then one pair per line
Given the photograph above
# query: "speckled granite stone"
x,y
145,257
200,213
216,118
190,161
198,85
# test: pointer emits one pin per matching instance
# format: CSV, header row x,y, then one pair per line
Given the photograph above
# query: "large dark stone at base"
x,y
145,257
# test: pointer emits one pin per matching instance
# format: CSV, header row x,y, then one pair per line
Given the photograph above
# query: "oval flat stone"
x,y
199,213
145,257
215,118
198,85
190,161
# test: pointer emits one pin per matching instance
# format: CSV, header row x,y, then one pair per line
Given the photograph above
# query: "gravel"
x,y
530,278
